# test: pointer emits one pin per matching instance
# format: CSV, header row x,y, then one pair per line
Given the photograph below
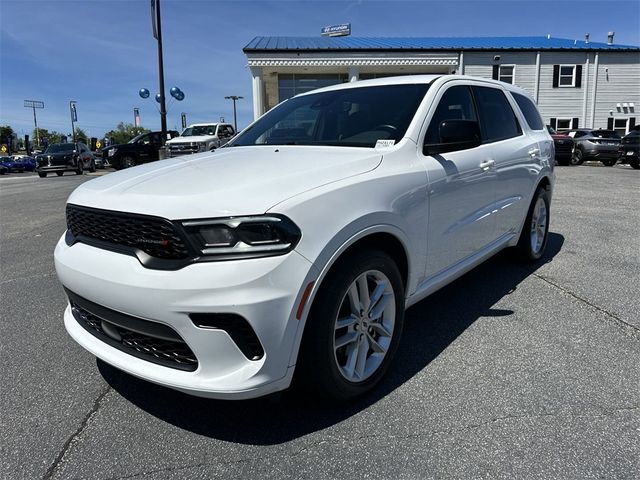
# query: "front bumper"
x,y
264,291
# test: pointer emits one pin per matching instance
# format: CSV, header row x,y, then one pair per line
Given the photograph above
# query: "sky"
x,y
100,53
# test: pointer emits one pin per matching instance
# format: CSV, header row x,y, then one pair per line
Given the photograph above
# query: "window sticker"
x,y
385,143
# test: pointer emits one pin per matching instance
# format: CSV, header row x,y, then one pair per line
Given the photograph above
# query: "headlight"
x,y
255,236
111,152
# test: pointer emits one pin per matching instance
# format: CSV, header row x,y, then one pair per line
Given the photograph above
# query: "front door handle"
x,y
486,165
534,152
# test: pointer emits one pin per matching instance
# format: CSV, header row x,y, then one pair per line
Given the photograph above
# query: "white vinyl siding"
x,y
480,64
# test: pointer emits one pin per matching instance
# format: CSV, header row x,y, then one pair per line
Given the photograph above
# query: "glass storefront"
x,y
293,84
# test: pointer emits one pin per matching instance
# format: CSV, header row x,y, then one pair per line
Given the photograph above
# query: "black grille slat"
x,y
169,353
157,237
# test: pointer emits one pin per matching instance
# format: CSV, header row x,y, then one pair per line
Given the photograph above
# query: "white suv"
x,y
200,137
299,246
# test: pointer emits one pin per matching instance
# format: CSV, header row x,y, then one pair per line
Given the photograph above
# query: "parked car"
x,y
200,137
297,249
26,163
3,170
10,164
595,144
629,151
140,149
65,157
564,146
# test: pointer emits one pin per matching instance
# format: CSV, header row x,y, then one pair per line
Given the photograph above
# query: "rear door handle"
x,y
486,165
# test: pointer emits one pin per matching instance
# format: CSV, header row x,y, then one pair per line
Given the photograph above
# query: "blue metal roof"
x,y
282,44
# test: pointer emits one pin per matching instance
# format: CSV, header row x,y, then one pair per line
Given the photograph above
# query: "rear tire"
x,y
535,231
609,163
364,293
79,170
59,173
92,166
42,174
635,164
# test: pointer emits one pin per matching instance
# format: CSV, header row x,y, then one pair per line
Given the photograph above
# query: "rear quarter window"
x,y
530,112
497,119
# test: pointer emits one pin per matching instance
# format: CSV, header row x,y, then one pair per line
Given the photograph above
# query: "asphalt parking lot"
x,y
510,372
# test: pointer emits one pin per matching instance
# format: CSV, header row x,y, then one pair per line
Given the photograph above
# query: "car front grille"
x,y
147,340
183,148
155,236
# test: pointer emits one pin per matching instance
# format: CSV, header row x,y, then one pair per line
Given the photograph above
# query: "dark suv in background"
x,y
65,157
629,150
140,149
595,144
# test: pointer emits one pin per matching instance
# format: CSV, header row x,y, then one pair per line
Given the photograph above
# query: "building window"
x,y
290,85
563,124
507,73
567,76
620,125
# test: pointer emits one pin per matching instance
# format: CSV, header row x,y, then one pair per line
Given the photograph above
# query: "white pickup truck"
x,y
200,137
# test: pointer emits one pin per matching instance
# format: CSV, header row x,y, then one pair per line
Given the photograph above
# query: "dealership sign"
x,y
336,30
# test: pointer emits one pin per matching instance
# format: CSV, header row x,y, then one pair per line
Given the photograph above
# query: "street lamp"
x,y
234,98
35,104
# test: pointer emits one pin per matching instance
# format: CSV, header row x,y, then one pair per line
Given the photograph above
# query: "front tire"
x,y
127,161
42,174
92,166
535,232
635,164
59,173
577,158
79,169
354,327
609,163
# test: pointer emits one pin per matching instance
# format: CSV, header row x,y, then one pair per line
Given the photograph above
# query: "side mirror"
x,y
455,135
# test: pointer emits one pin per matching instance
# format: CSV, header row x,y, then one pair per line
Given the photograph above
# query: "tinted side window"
x,y
529,111
497,120
455,104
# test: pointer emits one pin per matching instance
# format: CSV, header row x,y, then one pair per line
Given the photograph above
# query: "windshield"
x,y
60,147
354,117
136,138
199,130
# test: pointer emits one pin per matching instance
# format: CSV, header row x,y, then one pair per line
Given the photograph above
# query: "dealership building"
x,y
576,83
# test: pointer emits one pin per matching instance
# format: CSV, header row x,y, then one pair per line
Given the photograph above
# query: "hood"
x,y
231,181
191,138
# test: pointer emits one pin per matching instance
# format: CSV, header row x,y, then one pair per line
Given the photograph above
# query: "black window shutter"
x,y
632,122
556,76
496,69
574,122
610,123
578,76
554,123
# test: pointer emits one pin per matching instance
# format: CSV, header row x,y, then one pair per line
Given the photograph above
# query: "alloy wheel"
x,y
364,326
538,225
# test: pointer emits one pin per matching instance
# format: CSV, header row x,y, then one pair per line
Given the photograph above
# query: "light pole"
x,y
35,104
234,98
74,118
157,33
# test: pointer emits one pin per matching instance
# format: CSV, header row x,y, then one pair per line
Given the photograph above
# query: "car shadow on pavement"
x,y
430,327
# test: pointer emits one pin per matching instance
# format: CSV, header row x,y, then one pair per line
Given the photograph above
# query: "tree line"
x,y
121,134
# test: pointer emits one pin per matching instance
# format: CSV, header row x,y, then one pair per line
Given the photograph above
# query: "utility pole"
x,y
35,104
234,98
74,118
157,34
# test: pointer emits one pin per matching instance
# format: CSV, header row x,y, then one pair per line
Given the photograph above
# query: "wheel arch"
x,y
386,238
